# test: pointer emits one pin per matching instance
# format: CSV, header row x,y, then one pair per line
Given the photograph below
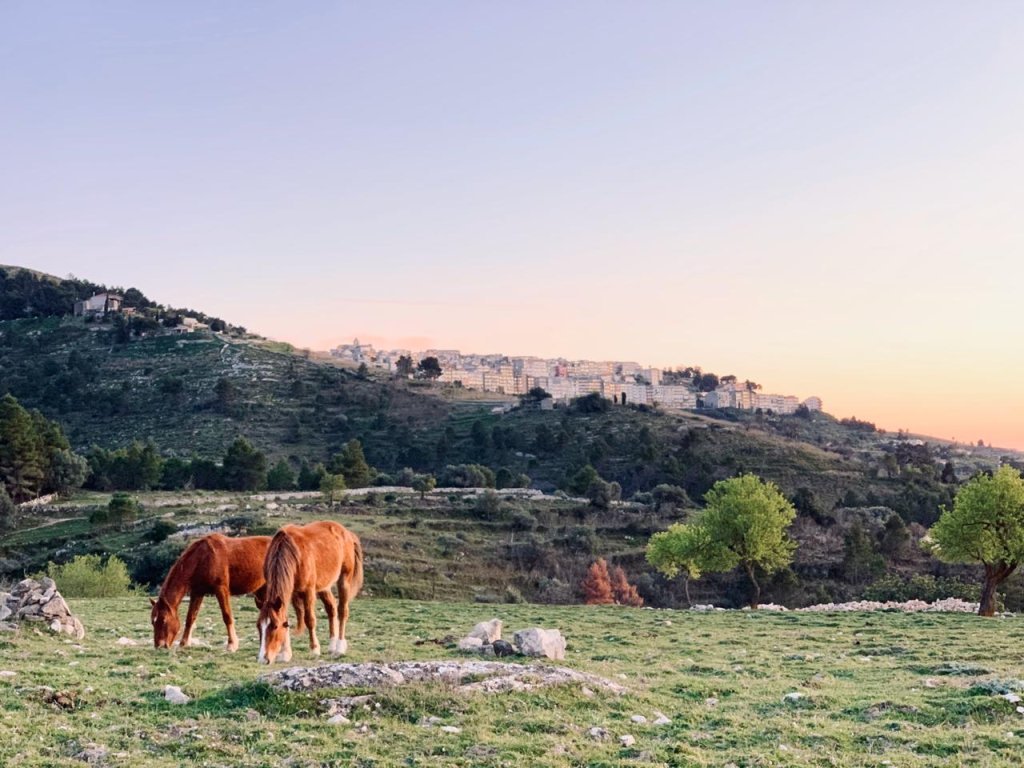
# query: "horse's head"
x,y
165,623
273,628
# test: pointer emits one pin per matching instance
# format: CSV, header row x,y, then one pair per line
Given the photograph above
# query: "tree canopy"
x,y
985,526
743,525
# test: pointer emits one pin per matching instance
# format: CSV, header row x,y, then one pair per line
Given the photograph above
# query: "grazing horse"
x,y
212,565
303,562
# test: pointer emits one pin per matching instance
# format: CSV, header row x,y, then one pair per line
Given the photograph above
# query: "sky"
x,y
821,197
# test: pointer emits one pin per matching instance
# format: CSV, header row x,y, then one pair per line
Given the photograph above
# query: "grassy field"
x,y
876,689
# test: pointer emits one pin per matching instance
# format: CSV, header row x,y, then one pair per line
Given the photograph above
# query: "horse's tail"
x,y
355,579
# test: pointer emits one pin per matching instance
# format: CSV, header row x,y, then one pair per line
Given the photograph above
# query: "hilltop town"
x,y
623,382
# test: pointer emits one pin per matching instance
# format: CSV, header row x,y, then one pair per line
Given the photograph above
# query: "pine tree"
x,y
22,458
624,592
597,589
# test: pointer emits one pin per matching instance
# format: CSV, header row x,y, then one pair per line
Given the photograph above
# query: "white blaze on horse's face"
x,y
263,641
273,626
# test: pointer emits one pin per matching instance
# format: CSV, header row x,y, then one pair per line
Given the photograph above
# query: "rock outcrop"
x,y
465,676
38,601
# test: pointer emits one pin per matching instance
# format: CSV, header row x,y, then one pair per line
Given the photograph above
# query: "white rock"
x,y
487,631
638,719
540,642
626,740
929,683
1020,710
339,720
792,696
175,695
1013,698
598,734
450,729
662,720
7,673
711,702
587,692
471,644
126,641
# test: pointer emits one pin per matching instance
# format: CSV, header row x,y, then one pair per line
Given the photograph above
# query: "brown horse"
x,y
212,565
303,562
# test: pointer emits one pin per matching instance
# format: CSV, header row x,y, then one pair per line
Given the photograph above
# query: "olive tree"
x,y
742,525
985,526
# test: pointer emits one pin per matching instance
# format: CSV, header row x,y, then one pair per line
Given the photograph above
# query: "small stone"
x,y
175,695
668,622
661,719
503,648
587,692
450,729
711,702
471,644
627,740
338,720
639,719
7,673
598,734
1020,710
1013,698
126,641
929,683
252,715
793,696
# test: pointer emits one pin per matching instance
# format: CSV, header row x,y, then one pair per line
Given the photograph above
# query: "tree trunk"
x,y
686,589
755,597
995,574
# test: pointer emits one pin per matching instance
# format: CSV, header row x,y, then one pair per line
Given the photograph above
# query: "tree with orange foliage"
x,y
624,592
597,589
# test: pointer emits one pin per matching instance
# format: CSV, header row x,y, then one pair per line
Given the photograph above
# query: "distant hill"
x,y
109,384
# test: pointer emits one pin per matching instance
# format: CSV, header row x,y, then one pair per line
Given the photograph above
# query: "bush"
x,y
160,531
90,576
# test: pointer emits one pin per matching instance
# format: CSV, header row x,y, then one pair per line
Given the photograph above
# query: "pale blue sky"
x,y
801,193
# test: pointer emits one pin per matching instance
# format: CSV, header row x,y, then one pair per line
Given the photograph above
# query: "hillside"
x,y
192,394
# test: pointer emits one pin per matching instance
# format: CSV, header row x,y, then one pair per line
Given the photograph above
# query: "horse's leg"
x,y
327,598
224,598
309,606
300,614
344,597
194,601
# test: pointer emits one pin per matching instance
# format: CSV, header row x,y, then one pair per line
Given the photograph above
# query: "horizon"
x,y
816,198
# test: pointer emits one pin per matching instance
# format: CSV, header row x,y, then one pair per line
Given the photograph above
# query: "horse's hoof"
x,y
231,647
285,657
315,651
339,647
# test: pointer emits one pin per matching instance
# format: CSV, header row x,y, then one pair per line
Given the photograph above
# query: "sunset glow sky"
x,y
825,198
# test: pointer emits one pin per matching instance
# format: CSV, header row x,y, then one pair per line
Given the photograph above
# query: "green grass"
x,y
720,677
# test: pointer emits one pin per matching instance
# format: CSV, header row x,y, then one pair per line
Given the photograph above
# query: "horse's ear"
x,y
152,602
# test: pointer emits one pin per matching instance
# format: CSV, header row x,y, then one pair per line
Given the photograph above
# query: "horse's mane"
x,y
178,575
356,581
280,566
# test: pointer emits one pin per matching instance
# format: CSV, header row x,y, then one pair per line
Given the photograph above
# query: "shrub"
x,y
597,589
160,531
90,576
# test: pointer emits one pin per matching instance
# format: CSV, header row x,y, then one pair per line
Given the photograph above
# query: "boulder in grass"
x,y
487,631
536,641
503,648
474,644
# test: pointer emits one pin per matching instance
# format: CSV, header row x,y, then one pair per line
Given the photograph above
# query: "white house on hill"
x,y
98,305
